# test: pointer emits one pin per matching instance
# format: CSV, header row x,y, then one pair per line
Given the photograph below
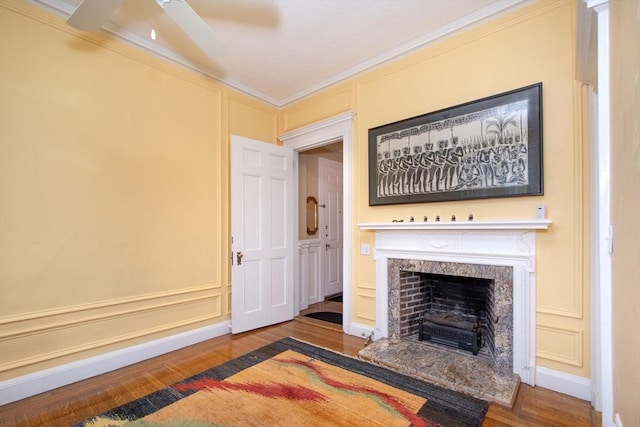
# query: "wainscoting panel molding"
x,y
49,379
366,306
567,345
119,302
89,328
304,114
367,285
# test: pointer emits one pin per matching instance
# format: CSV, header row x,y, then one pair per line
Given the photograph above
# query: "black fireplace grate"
x,y
447,335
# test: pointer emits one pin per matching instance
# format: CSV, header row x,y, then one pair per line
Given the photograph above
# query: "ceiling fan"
x,y
91,14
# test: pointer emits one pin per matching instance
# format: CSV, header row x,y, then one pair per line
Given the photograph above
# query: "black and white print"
x,y
479,153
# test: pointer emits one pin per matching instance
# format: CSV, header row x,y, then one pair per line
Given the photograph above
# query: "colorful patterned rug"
x,y
290,383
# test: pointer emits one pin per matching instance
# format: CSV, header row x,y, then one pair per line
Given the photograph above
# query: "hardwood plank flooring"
x,y
335,307
77,402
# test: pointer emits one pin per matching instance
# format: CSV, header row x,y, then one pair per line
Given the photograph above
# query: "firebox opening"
x,y
456,311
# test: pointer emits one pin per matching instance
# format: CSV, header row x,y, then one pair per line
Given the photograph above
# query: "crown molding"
x,y
63,9
427,39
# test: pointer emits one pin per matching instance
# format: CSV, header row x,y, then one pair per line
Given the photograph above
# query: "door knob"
x,y
239,258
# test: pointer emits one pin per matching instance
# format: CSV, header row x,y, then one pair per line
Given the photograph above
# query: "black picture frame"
x,y
491,147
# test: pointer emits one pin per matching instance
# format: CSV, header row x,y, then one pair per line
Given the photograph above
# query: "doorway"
x,y
320,179
329,131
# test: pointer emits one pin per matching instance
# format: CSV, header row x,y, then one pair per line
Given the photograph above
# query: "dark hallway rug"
x,y
335,298
291,383
327,316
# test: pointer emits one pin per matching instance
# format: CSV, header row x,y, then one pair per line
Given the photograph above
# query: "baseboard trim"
x,y
561,382
39,382
359,330
49,379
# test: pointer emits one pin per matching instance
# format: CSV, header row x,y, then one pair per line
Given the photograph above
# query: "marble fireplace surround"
x,y
501,276
435,246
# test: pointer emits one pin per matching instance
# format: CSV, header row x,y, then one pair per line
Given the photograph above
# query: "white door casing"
x,y
262,215
334,129
331,227
602,232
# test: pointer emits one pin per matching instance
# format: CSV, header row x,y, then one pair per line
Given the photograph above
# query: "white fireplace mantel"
x,y
509,243
526,224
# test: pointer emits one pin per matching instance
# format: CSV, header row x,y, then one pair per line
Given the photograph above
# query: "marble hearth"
x,y
503,251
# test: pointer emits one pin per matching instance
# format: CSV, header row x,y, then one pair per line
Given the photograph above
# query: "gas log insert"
x,y
452,330
455,311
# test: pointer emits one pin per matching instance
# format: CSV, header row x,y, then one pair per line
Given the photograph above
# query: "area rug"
x,y
327,316
291,383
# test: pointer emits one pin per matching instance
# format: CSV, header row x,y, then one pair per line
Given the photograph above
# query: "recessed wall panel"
x,y
561,345
366,307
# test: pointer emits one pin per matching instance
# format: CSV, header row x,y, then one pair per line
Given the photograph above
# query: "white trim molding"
x,y
533,224
602,232
38,382
364,331
561,382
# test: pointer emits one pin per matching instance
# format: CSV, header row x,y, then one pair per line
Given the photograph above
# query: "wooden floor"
x,y
327,305
77,402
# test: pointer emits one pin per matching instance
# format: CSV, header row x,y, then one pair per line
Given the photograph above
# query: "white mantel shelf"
x,y
526,224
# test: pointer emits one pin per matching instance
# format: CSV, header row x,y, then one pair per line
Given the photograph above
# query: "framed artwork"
x,y
491,147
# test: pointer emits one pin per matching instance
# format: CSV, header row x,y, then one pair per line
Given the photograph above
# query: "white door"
x,y
262,223
330,192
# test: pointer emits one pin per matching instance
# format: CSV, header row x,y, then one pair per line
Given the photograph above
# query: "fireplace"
x,y
500,254
476,292
456,311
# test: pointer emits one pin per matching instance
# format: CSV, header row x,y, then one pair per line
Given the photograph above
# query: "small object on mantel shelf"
x,y
470,217
453,218
426,219
437,218
398,220
411,219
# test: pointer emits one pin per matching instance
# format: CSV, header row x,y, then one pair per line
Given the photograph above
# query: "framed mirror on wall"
x,y
312,216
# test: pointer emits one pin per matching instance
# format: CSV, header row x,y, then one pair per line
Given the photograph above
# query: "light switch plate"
x,y
365,249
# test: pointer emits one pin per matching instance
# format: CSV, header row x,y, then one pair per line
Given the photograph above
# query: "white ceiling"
x,y
283,50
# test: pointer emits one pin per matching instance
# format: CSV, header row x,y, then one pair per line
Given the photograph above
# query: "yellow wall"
x,y
625,203
114,180
534,44
114,193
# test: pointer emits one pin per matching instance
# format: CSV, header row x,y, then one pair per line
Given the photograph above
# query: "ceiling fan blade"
x,y
91,14
194,27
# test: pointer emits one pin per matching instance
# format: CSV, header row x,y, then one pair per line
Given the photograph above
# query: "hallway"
x,y
328,305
